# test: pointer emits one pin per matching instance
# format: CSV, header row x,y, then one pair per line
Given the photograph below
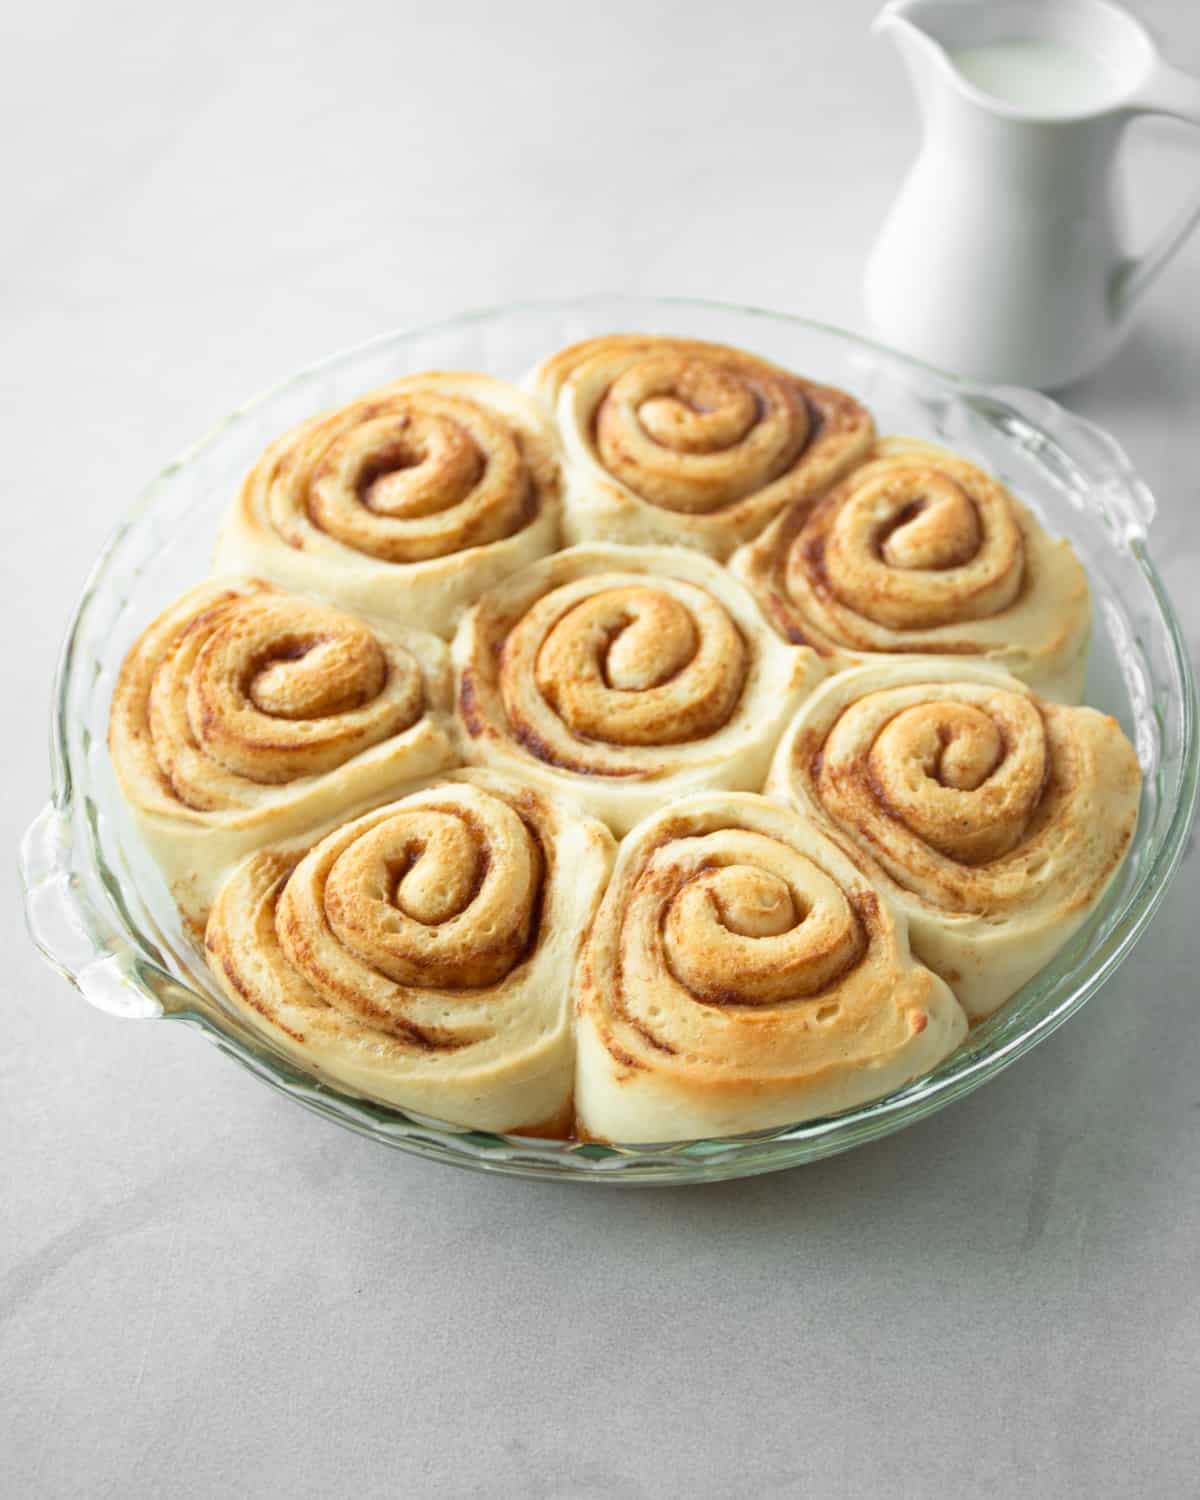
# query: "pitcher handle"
x,y
1167,91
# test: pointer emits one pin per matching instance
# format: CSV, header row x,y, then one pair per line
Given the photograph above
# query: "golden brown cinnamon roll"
x,y
625,676
993,819
919,551
742,973
244,714
675,441
422,954
407,502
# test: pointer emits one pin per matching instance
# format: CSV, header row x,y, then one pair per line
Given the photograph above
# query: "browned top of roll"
x,y
427,466
743,971
972,793
239,688
714,436
422,952
919,550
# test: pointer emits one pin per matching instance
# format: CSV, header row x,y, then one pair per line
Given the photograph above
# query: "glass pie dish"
x,y
101,914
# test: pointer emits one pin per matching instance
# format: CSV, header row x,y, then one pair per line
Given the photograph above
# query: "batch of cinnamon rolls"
x,y
651,752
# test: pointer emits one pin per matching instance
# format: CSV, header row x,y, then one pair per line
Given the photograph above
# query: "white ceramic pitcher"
x,y
1005,254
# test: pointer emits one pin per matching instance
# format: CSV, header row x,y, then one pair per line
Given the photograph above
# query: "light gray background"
x,y
205,1290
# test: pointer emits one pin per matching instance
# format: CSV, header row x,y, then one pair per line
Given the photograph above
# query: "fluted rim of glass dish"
x,y
575,1160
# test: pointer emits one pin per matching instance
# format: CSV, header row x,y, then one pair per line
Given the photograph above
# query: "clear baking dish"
x,y
100,913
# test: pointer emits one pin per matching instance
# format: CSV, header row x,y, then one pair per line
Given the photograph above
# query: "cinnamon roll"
x,y
625,675
994,819
422,954
244,714
675,441
743,973
406,503
919,551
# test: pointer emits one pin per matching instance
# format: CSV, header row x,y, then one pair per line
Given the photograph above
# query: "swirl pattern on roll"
x,y
625,674
244,712
405,502
742,973
678,441
996,818
422,953
919,551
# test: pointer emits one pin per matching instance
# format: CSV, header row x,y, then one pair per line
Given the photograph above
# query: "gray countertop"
x,y
206,1291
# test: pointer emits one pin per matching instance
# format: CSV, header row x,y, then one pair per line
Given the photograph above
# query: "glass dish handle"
x,y
1088,461
65,925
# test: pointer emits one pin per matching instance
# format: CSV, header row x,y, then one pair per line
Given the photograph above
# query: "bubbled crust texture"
x,y
673,441
422,954
742,973
994,819
407,502
919,551
625,676
244,713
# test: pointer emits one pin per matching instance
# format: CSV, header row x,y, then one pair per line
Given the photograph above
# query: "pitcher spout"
x,y
914,26
908,19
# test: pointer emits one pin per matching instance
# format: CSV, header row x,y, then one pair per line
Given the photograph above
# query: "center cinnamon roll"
x,y
625,675
631,666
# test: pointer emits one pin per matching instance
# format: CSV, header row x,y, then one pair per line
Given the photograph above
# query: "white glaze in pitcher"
x,y
1005,254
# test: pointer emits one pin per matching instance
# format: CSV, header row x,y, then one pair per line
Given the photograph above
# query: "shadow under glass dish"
x,y
100,913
